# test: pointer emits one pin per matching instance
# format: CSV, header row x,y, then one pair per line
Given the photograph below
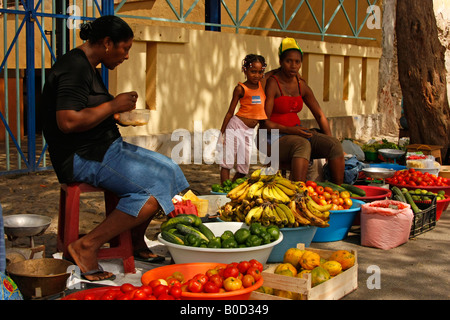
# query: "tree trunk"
x,y
422,74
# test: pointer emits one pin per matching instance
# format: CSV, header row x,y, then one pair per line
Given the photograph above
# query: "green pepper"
x,y
215,187
274,232
265,237
215,243
226,234
193,240
241,235
256,228
240,180
229,243
227,183
234,185
253,241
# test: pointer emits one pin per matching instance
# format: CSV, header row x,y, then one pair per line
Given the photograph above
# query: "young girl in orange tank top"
x,y
237,129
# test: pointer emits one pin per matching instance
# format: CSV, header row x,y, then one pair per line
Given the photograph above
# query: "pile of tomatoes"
x,y
412,177
326,195
231,277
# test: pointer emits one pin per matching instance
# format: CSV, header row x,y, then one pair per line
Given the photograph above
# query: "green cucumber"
x,y
399,194
354,189
335,186
189,229
206,231
181,218
172,238
411,202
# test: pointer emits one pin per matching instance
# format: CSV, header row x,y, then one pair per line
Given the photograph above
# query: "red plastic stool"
x,y
121,246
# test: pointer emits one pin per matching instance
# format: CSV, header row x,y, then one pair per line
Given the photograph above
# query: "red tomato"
x,y
154,283
127,287
243,266
160,289
147,289
110,295
311,190
210,287
165,296
257,264
175,292
201,277
195,286
173,282
211,272
122,296
319,189
310,183
329,190
140,295
217,279
90,296
231,271
255,272
248,281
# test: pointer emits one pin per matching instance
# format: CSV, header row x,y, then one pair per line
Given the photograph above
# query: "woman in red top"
x,y
285,94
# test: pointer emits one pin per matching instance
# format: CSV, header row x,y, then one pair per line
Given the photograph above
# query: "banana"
x,y
274,212
255,175
310,216
267,194
287,183
259,201
288,212
240,213
319,207
281,214
253,215
300,218
324,215
286,190
253,188
280,195
265,218
243,194
237,192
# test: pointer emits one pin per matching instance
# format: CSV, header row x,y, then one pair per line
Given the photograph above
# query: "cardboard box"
x,y
333,289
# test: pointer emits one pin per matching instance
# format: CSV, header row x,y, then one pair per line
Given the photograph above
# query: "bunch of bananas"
x,y
272,199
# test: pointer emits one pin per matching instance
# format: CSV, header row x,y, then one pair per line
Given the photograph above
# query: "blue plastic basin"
x,y
340,223
291,236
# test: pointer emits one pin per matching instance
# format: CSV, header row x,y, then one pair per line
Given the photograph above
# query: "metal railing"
x,y
24,149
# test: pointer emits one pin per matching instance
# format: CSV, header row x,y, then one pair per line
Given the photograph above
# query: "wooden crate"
x,y
332,289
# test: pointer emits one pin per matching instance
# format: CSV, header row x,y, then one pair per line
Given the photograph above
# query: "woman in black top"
x,y
85,143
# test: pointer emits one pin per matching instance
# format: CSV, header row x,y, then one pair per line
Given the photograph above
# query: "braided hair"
x,y
251,58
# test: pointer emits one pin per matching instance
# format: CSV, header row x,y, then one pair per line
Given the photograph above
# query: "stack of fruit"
x,y
189,230
297,262
272,199
227,185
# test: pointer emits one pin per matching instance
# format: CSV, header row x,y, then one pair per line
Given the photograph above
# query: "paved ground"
x,y
416,270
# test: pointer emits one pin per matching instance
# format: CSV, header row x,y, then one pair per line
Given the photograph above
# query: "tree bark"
x,y
422,74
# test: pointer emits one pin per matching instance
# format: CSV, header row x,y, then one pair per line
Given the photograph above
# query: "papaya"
x,y
333,267
293,256
310,260
286,269
344,257
319,275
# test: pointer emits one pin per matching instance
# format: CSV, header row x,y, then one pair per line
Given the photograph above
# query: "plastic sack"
x,y
385,224
350,147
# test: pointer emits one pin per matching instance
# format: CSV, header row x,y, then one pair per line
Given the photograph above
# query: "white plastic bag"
x,y
385,224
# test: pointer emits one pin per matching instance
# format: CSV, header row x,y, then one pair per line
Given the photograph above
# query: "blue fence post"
x,y
30,83
212,14
107,10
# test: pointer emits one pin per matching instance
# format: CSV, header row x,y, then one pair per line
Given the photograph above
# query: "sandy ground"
x,y
416,270
38,193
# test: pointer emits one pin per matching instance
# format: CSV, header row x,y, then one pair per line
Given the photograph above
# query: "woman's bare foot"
x,y
87,261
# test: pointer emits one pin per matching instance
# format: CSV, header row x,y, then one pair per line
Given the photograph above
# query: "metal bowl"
x,y
391,153
26,225
378,173
37,278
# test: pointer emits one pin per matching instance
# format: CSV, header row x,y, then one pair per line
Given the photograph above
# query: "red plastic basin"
x,y
373,193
